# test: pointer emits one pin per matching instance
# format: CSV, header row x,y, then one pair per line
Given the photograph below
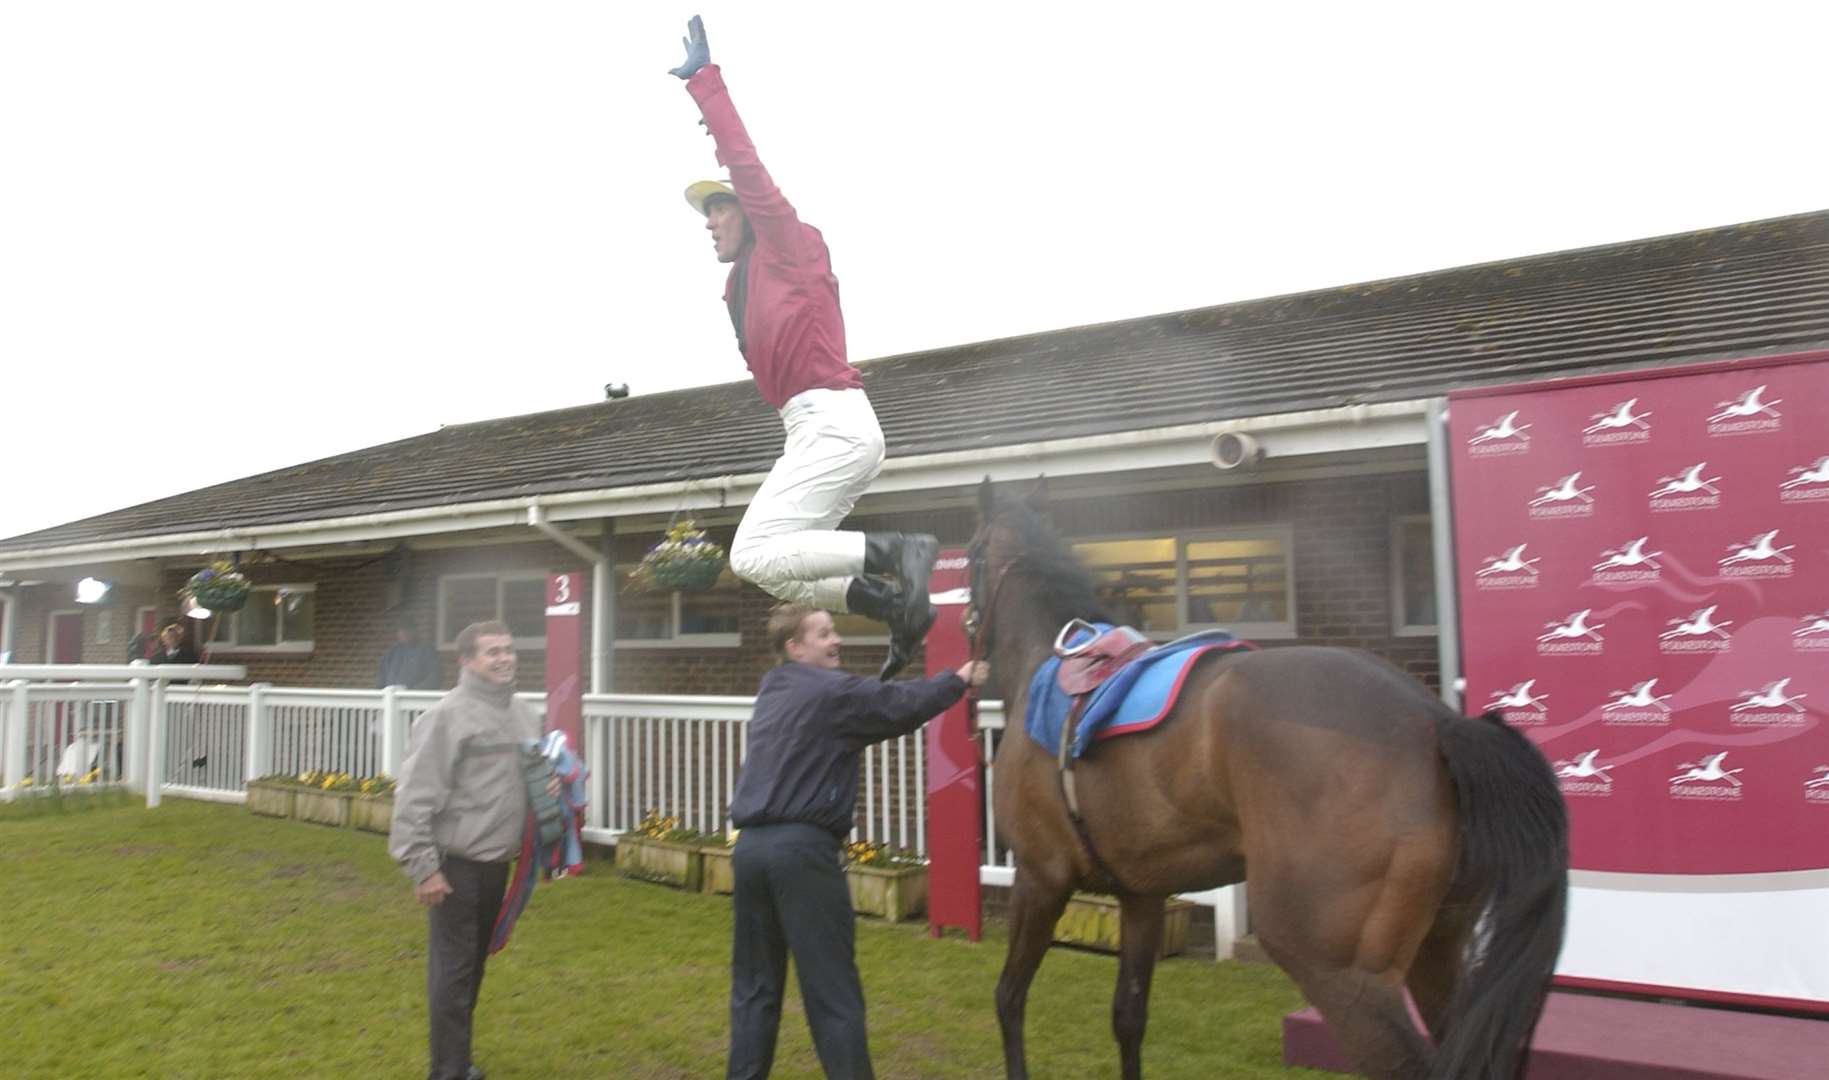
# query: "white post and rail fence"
x,y
155,731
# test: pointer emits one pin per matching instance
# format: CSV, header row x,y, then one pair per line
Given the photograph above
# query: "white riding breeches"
x,y
787,545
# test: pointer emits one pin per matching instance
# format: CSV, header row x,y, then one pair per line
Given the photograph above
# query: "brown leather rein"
x,y
978,630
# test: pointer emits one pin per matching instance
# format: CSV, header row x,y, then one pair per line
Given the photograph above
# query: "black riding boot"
x,y
909,559
904,639
873,598
880,600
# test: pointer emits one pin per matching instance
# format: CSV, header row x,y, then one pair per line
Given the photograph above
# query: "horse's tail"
x,y
1514,863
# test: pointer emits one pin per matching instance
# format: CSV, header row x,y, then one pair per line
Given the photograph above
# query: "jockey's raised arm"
x,y
782,299
768,211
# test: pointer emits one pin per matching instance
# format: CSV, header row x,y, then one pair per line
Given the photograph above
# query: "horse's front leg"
x,y
1035,906
1139,940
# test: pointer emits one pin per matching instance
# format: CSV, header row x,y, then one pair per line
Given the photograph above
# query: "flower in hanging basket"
x,y
686,560
219,587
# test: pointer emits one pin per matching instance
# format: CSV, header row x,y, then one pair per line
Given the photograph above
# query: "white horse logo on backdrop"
x,y
1817,472
1633,554
1758,549
1639,697
1771,696
1563,490
1708,769
1747,404
1507,427
1583,767
1700,622
1688,481
1576,627
1518,697
1511,562
1622,416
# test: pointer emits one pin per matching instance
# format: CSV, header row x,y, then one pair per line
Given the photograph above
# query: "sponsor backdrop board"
x,y
1643,569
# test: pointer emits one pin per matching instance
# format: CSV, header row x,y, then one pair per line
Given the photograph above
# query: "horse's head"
x,y
996,545
1017,563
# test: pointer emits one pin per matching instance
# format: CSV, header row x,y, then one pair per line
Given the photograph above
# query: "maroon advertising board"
x,y
1643,579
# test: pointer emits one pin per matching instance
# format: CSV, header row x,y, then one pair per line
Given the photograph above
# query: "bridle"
x,y
977,623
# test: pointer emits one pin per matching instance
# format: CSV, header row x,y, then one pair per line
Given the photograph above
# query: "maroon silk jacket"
x,y
793,333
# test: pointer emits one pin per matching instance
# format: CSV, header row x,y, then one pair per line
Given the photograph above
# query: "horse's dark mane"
x,y
1064,585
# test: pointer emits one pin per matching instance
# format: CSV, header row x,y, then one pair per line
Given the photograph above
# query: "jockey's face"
x,y
817,643
494,660
725,221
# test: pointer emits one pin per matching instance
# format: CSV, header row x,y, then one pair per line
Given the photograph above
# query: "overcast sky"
x,y
240,236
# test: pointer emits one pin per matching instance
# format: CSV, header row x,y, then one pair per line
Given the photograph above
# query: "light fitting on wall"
x,y
194,610
92,590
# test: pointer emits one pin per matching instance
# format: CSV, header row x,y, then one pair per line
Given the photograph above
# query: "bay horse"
x,y
1385,842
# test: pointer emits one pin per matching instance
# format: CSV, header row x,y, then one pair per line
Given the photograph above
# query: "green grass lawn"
x,y
197,940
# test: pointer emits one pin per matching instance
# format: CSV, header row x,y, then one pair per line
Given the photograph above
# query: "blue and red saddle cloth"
x,y
1136,698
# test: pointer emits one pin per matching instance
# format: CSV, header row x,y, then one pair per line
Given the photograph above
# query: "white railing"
x,y
73,734
679,756
675,755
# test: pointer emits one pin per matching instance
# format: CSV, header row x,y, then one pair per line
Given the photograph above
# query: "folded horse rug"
x,y
1136,698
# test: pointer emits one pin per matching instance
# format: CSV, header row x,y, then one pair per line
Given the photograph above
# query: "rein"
x,y
978,629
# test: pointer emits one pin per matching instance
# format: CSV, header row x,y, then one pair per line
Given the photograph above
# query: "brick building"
x,y
1326,539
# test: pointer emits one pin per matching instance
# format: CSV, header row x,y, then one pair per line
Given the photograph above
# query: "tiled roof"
x,y
1745,290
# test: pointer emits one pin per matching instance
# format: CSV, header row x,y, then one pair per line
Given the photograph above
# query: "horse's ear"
x,y
1037,498
987,500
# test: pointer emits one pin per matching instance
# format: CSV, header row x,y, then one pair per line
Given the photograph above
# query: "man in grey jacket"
x,y
459,812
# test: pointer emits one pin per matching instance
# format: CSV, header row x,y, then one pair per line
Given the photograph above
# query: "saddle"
x,y
1086,666
1101,670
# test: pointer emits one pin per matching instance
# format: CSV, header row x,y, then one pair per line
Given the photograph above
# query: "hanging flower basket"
x,y
686,560
219,587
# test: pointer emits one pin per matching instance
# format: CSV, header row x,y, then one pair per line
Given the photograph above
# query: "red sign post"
x,y
955,798
564,656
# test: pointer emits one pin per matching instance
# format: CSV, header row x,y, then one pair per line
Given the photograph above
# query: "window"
x,y
518,599
1168,585
708,619
277,618
1413,576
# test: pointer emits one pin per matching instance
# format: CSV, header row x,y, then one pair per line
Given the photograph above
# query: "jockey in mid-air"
x,y
783,302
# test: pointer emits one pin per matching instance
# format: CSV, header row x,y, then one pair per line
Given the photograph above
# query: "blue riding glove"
x,y
698,53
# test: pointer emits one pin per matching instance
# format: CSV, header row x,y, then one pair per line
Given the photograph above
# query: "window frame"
x,y
229,621
501,579
1400,615
1264,631
675,640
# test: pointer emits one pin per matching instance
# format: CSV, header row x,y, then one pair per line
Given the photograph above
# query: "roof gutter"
x,y
1317,431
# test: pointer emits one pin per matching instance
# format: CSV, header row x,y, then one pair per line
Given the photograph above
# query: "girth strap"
x,y
1065,761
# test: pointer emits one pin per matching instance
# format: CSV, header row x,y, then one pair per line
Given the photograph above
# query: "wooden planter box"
x,y
322,807
888,892
372,814
663,861
1093,921
269,799
719,876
